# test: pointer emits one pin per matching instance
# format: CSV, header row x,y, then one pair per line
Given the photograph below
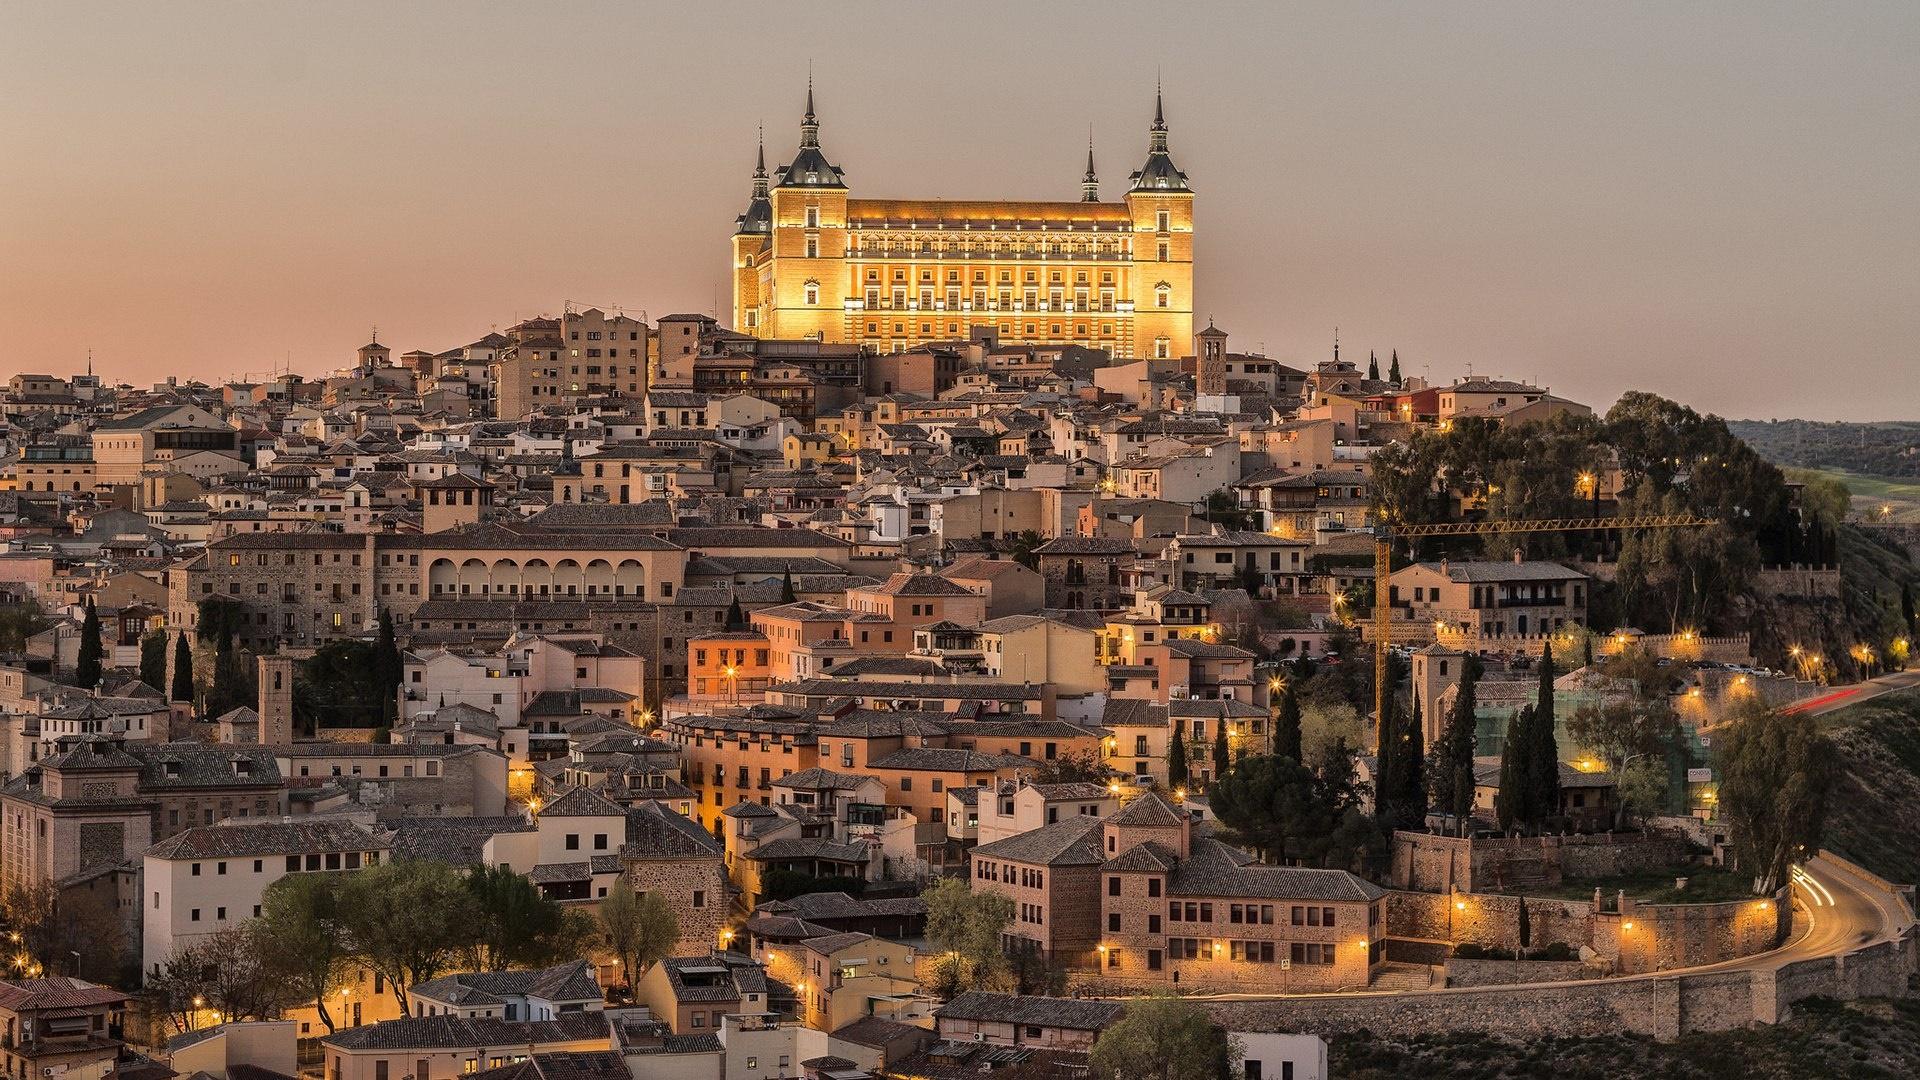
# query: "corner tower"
x,y
1160,203
808,244
751,231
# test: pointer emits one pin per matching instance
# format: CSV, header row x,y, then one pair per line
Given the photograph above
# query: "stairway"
x,y
1392,976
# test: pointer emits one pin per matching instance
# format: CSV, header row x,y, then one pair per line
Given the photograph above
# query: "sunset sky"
x,y
1716,202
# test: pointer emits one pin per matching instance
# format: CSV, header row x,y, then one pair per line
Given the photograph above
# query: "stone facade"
x,y
695,888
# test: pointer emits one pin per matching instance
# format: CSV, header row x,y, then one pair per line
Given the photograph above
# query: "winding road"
x,y
1834,912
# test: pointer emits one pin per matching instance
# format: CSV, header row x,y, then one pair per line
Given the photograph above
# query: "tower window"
x,y
1164,249
813,292
1162,221
813,218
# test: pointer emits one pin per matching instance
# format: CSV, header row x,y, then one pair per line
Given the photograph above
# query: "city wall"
x,y
1636,939
1433,863
1661,1006
1516,972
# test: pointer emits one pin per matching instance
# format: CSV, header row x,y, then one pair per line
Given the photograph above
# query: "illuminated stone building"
x,y
809,261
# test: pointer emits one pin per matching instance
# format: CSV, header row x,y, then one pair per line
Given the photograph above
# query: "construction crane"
x,y
1385,535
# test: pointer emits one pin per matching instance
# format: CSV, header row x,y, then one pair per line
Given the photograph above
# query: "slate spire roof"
x,y
1159,173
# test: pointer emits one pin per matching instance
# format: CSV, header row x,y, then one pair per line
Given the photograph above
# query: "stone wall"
x,y
1660,937
1514,972
1811,582
1488,919
1662,1006
1639,938
1434,863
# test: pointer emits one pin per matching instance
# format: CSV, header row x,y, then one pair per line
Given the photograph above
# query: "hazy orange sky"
x,y
1717,202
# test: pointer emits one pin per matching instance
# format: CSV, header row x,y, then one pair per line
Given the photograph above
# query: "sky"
x,y
1716,202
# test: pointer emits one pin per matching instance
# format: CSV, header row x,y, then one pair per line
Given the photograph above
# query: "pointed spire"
x,y
760,163
1090,183
809,123
1159,173
1336,344
1158,131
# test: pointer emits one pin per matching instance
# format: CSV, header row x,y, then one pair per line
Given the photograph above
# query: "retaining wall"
x,y
1433,863
1662,1006
1515,972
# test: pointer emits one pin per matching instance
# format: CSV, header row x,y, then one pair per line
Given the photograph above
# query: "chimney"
x,y
1443,566
1519,556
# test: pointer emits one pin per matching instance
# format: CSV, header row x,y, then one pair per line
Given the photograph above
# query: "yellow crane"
x,y
1385,535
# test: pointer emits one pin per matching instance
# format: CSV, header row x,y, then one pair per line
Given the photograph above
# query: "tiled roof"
x,y
563,1065
55,992
561,983
947,759
818,779
811,847
1494,571
1211,868
654,832
1071,1013
1072,841
460,841
245,838
456,1032
1152,810
581,802
829,944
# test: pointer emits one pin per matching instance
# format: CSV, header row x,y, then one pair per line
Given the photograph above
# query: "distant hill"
x,y
1889,449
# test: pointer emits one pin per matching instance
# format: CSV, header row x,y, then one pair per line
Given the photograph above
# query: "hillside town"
x,y
976,668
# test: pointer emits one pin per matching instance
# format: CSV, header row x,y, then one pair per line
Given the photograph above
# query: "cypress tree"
x,y
1413,771
1373,365
390,669
182,668
153,659
786,586
1908,611
1453,769
1543,752
1177,757
87,670
1286,727
1393,368
736,620
1387,777
1221,762
1510,802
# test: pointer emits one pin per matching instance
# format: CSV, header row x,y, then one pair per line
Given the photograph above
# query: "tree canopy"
x,y
639,928
1164,1038
1776,773
964,930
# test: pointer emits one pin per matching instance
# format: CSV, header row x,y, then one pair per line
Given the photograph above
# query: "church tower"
x,y
1161,205
809,242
